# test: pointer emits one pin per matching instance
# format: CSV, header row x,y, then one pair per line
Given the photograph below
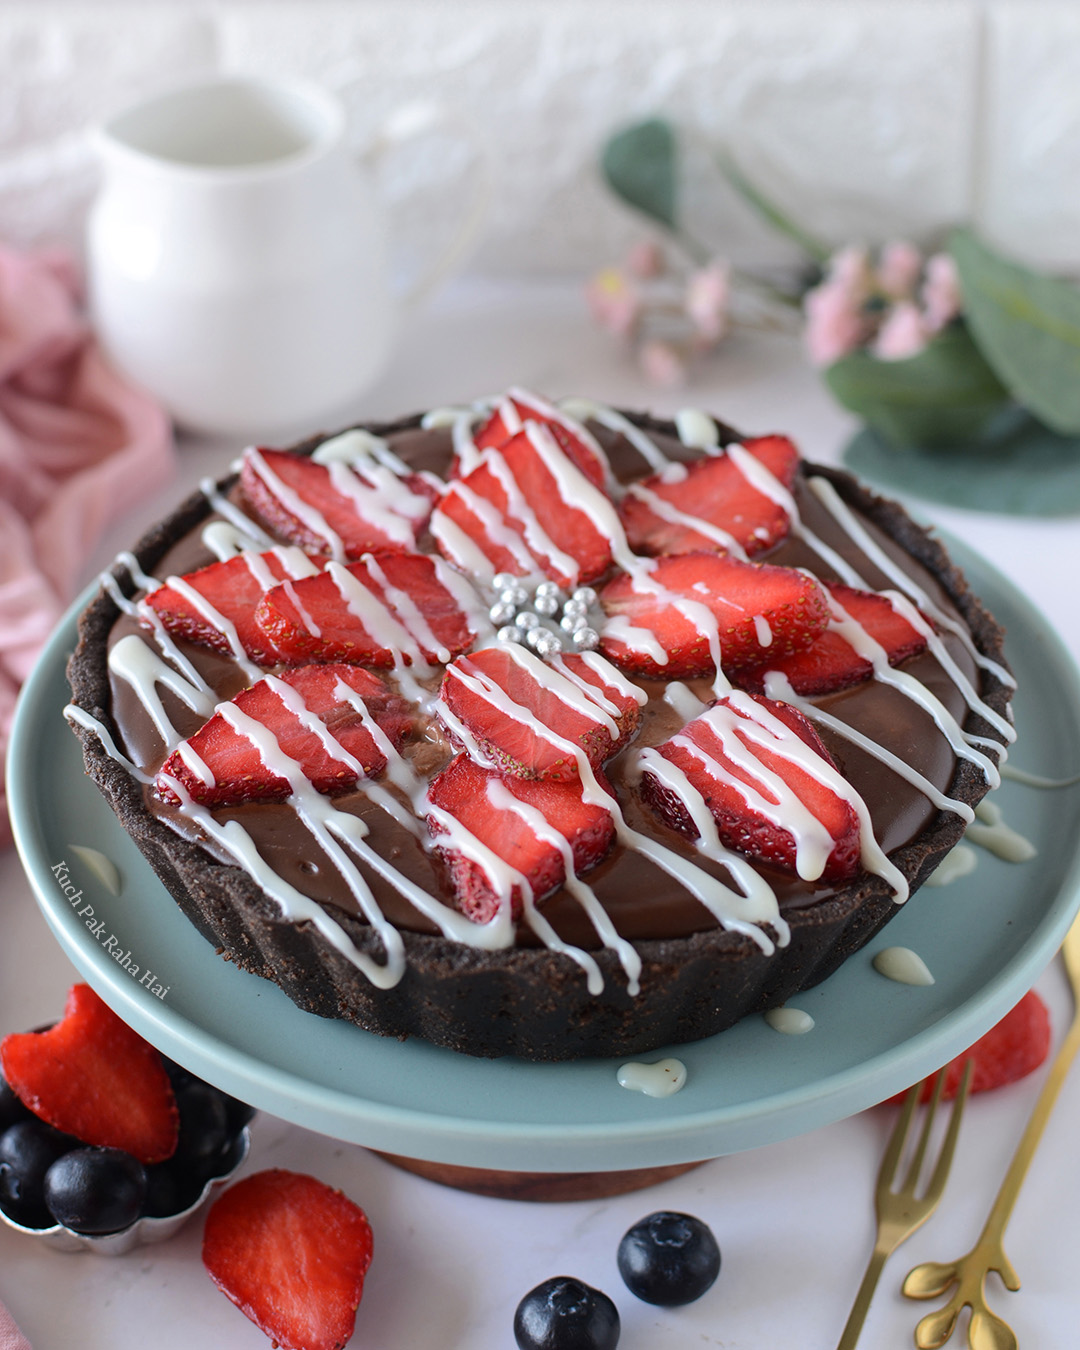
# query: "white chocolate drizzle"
x,y
902,965
662,1079
789,1021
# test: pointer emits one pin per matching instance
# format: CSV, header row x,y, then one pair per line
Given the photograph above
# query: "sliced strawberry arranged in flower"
x,y
831,661
666,621
215,606
518,407
1009,1051
292,1254
527,507
91,1076
263,744
529,716
365,612
711,503
758,765
333,508
494,830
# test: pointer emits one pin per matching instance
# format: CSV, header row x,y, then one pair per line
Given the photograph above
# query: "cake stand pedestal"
x,y
551,1187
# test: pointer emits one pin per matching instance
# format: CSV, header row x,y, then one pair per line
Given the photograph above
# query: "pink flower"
x,y
902,334
899,269
706,301
835,324
614,301
849,270
662,364
941,296
645,260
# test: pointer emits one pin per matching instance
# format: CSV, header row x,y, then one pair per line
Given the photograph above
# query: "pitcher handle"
x,y
417,119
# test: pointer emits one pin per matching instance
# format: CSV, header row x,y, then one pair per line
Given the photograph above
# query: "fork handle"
x,y
859,1308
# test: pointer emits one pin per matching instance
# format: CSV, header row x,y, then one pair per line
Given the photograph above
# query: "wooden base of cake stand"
x,y
540,1186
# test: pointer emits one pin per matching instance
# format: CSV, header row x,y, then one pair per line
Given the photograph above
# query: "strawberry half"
x,y
526,508
512,704
831,662
334,508
292,1254
1010,1050
660,513
481,803
369,611
234,763
93,1077
684,603
227,594
746,756
518,407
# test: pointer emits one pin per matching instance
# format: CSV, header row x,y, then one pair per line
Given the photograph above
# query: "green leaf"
x,y
1026,471
771,213
945,395
1028,327
639,164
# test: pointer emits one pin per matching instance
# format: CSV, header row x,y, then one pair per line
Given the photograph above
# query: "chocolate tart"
x,y
697,978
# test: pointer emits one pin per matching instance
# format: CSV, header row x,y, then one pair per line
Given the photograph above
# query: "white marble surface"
x,y
794,1220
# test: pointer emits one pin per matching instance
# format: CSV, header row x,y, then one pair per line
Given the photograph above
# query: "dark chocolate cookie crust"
x,y
526,1002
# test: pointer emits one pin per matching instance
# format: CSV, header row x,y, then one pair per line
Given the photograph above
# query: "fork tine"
x,y
895,1147
944,1162
912,1178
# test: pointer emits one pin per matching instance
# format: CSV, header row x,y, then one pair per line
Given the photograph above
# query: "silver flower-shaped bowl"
x,y
143,1232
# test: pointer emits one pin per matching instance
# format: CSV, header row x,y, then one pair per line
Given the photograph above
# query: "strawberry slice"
x,y
292,1254
527,508
512,705
520,828
1010,1050
93,1077
223,765
664,622
710,502
335,508
215,606
747,757
831,662
518,407
367,611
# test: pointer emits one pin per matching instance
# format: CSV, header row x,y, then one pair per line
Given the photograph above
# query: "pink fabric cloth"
x,y
78,448
11,1338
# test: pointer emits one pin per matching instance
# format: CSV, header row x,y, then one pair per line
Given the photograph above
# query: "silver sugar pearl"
x,y
584,595
502,612
547,605
502,581
572,622
514,595
511,633
547,588
534,636
547,644
585,639
574,607
527,619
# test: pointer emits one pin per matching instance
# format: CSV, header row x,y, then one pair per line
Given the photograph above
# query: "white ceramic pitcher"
x,y
235,255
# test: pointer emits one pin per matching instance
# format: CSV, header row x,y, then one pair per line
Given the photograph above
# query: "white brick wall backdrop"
x,y
865,119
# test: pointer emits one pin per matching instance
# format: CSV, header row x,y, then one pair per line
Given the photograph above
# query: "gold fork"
x,y
987,1331
900,1212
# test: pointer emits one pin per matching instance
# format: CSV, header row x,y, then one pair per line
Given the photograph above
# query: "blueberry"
x,y
204,1123
27,1150
12,1109
565,1314
237,1112
669,1259
95,1190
